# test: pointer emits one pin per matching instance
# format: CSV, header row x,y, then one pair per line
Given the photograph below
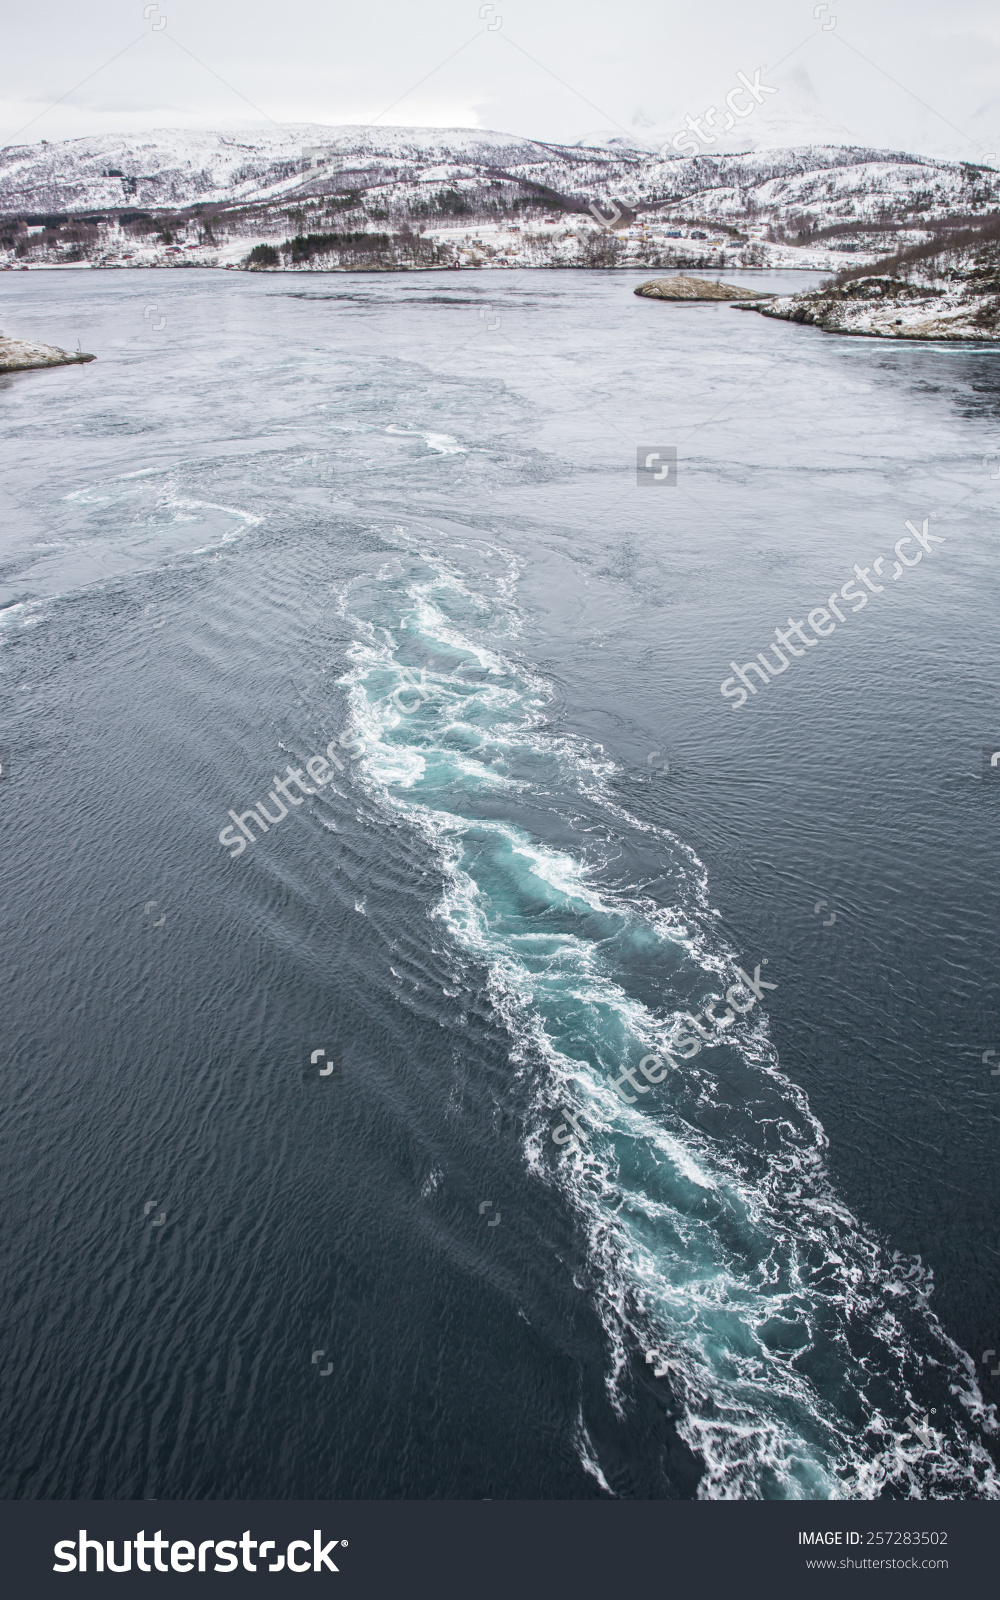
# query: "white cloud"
x,y
553,70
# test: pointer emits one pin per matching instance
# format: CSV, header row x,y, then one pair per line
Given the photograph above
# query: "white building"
x,y
321,155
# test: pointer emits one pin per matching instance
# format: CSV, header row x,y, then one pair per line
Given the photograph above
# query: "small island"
x,y
694,289
23,355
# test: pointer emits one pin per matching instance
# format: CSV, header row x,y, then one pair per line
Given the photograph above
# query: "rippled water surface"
x,y
535,1232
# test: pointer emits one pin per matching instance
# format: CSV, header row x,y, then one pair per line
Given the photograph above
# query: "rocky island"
x,y
23,355
694,289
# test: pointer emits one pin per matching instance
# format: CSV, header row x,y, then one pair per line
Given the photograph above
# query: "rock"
x,y
22,355
694,289
960,303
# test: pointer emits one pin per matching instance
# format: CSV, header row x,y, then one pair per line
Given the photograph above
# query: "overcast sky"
x,y
901,74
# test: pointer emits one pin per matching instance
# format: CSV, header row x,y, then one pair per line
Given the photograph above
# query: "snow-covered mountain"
x,y
171,169
141,199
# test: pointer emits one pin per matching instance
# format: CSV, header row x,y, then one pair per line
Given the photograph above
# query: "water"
x,y
398,516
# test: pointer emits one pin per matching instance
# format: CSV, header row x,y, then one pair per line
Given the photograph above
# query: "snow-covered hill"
x,y
223,192
173,168
951,295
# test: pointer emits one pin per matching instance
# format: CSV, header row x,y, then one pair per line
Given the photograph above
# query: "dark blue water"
x,y
351,529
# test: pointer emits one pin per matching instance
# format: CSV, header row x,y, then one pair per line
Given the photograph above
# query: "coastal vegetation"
x,y
947,289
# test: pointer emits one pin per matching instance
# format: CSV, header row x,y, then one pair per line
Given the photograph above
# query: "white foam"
x,y
441,444
704,1250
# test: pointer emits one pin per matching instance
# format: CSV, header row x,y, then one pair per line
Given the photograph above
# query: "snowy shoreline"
x,y
956,303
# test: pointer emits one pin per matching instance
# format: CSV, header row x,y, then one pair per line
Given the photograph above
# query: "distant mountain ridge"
x,y
173,168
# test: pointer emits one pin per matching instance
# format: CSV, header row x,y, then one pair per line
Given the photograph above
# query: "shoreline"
x,y
298,272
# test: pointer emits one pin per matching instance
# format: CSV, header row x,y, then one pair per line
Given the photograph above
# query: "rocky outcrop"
x,y
958,302
22,355
694,289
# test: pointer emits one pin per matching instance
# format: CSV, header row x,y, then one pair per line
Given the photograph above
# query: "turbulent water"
x,y
538,1233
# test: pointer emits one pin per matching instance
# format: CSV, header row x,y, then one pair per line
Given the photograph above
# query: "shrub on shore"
x,y
264,255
